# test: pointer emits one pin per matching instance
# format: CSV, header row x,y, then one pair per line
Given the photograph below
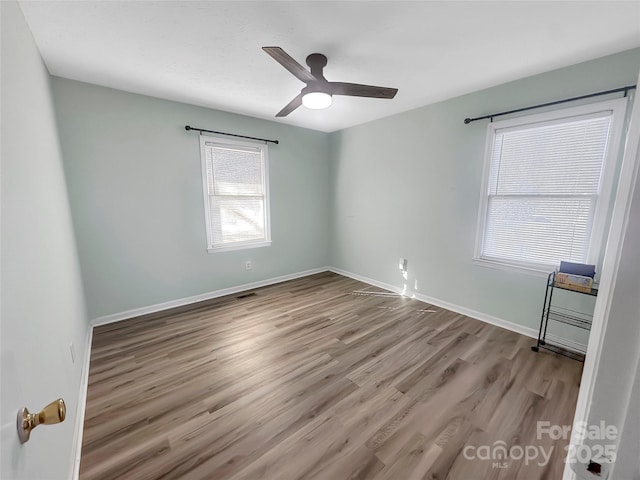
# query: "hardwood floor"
x,y
317,379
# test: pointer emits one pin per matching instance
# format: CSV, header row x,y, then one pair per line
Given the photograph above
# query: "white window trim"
x,y
618,109
225,142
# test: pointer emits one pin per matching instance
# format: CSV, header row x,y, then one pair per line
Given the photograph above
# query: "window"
x,y
547,186
236,194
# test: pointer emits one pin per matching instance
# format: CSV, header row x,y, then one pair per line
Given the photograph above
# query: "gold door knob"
x,y
55,412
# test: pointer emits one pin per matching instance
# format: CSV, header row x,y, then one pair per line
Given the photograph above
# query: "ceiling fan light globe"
x,y
317,100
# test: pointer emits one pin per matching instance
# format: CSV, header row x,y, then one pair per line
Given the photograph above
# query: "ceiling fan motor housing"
x,y
318,92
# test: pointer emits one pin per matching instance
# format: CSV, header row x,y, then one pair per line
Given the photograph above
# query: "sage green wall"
x,y
136,194
409,186
43,310
358,199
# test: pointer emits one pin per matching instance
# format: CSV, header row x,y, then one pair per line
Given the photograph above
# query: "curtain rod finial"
x,y
187,128
467,121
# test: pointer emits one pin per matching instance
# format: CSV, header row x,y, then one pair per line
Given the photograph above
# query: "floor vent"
x,y
365,293
252,294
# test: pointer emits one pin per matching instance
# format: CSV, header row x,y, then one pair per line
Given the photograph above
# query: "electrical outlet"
x,y
402,264
72,349
247,265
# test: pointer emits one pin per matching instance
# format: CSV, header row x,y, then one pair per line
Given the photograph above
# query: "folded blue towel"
x,y
578,269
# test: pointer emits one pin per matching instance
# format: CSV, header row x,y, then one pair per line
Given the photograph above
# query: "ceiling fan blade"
x,y
291,106
284,59
357,90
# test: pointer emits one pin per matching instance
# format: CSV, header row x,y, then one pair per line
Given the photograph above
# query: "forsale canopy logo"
x,y
601,447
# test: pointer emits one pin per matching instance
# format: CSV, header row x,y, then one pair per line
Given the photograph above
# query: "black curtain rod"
x,y
597,94
187,128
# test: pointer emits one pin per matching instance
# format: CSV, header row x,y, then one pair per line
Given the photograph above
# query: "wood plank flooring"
x,y
318,379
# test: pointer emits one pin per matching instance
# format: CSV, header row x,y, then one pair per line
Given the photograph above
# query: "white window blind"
x,y
544,183
235,194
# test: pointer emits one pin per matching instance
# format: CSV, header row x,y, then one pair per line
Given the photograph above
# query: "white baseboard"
x,y
82,402
499,322
136,312
568,344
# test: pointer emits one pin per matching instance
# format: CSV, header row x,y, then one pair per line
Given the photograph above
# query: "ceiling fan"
x,y
318,92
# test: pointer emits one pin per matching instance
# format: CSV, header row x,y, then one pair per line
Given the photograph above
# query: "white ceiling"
x,y
209,52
